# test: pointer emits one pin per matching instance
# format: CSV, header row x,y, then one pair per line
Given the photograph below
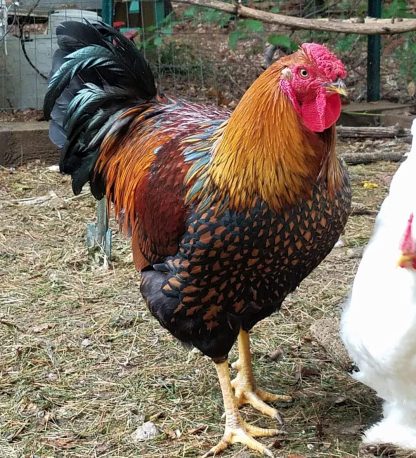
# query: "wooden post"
x,y
373,55
98,234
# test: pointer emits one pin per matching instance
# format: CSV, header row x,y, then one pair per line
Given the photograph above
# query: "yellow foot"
x,y
245,392
237,431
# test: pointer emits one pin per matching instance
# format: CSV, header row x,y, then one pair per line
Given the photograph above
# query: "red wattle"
x,y
408,244
322,112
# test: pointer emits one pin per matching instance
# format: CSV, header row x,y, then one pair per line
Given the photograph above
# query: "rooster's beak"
x,y
406,260
338,87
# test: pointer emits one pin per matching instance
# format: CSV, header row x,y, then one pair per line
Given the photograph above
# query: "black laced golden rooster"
x,y
228,212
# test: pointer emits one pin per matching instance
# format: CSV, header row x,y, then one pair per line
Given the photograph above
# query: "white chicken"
x,y
378,324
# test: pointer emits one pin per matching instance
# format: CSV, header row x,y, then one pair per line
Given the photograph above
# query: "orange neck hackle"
x,y
265,151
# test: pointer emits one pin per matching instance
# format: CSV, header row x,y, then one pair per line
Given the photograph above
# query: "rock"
x,y
86,342
356,252
145,432
339,244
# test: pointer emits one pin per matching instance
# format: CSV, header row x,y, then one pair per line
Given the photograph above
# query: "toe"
x,y
220,447
244,436
256,431
254,400
252,444
244,433
272,397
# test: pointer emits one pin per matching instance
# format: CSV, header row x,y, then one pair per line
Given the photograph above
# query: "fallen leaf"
x,y
61,442
41,327
47,417
102,448
156,415
369,185
197,430
385,450
276,355
340,400
352,430
38,200
310,372
277,444
170,433
304,371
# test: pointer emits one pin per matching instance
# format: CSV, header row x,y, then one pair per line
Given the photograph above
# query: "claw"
x,y
236,429
243,433
256,398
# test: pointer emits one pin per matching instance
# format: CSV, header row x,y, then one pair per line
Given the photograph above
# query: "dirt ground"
x,y
83,364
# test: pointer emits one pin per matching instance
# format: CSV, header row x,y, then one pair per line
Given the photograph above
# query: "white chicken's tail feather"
x,y
399,187
398,427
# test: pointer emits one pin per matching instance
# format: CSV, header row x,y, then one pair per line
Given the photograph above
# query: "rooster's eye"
x,y
303,73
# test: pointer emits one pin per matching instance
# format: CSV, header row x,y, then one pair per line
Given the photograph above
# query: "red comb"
x,y
328,62
408,245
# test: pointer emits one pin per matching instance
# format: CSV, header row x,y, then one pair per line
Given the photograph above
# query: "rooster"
x,y
227,212
378,324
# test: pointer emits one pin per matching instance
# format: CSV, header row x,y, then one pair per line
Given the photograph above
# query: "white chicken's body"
x,y
378,324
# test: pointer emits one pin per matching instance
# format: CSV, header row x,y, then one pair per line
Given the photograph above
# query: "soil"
x,y
84,364
29,114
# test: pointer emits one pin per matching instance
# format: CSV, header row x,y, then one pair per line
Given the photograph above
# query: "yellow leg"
x,y
236,429
244,385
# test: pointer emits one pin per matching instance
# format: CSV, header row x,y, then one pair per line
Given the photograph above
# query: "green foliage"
x,y
211,16
252,25
190,12
283,41
177,55
158,41
155,36
244,28
234,37
181,59
405,56
346,43
207,15
397,8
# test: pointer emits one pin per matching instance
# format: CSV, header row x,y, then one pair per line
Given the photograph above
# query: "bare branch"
x,y
367,26
369,158
374,132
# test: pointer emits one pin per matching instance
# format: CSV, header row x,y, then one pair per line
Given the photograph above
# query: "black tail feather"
x,y
96,72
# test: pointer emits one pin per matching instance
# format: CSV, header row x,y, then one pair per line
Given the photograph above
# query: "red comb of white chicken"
x,y
378,324
407,258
